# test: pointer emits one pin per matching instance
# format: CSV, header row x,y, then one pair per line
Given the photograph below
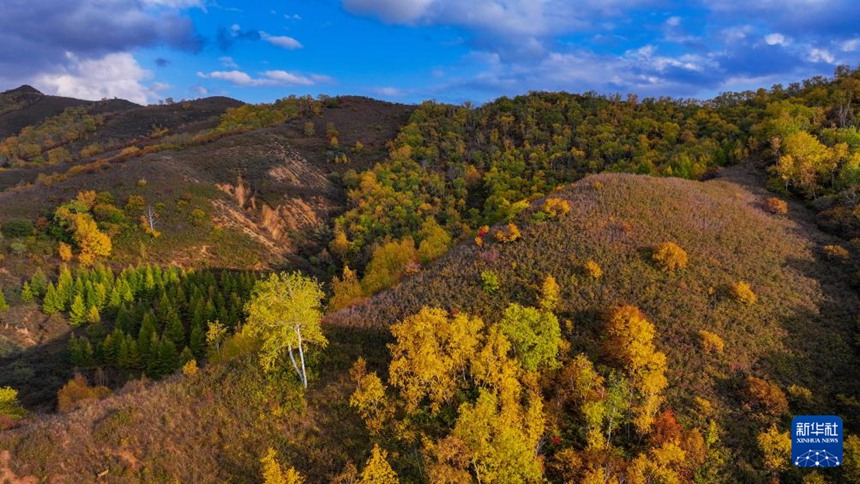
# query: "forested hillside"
x,y
571,287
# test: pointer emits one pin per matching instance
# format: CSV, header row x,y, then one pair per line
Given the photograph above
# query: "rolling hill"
x,y
798,334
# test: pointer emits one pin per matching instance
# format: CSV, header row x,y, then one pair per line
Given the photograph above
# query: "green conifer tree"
x,y
144,337
176,332
93,315
39,283
52,303
26,293
185,356
65,287
78,311
198,340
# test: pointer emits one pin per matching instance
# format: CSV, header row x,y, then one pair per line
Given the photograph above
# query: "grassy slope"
x,y
203,430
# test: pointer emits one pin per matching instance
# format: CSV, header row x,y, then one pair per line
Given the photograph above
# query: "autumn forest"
x,y
548,287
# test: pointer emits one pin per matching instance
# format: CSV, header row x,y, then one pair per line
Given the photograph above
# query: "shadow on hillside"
x,y
38,373
822,354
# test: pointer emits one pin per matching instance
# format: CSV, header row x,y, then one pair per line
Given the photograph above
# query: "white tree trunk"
x,y
293,360
302,356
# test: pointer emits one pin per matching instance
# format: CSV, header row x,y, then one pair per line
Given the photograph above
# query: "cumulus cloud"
x,y
821,55
37,35
521,45
268,78
796,18
114,75
774,39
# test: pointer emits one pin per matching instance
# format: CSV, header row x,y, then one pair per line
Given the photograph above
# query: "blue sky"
x,y
411,50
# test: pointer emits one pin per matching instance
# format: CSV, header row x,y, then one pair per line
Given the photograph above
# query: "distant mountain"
x,y
27,106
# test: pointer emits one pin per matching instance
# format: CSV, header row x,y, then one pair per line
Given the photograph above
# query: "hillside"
x,y
179,156
798,335
27,106
241,199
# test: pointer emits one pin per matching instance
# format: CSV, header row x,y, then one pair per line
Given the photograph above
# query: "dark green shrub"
x,y
16,228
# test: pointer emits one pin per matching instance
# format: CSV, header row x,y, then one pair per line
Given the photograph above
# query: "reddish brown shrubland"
x,y
776,206
77,393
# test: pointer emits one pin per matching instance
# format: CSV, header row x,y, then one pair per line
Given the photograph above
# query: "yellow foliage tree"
x,y
89,239
435,241
584,387
448,460
742,292
388,264
369,398
775,447
508,233
669,257
346,291
804,160
593,270
378,470
555,207
64,250
9,406
431,349
550,291
273,473
629,341
284,312
500,441
711,342
494,370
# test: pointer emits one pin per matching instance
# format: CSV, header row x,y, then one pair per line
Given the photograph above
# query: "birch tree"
x,y
284,312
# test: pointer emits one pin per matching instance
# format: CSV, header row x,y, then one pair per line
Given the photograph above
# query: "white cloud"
x,y
228,62
737,34
293,79
398,11
673,21
200,90
775,39
268,78
647,60
850,45
160,86
281,41
235,77
389,92
511,17
173,3
114,75
821,55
